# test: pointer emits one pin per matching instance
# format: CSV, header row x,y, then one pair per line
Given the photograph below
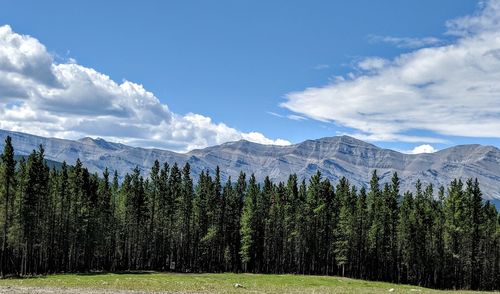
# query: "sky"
x,y
415,76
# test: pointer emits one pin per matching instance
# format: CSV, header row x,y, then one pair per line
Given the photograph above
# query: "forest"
x,y
66,219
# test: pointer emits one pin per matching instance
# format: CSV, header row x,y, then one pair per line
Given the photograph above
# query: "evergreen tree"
x,y
360,235
185,206
376,231
248,229
290,226
175,221
69,220
219,216
136,210
476,221
312,231
105,222
455,229
273,249
392,200
7,191
153,196
164,219
344,228
263,205
232,226
406,240
302,220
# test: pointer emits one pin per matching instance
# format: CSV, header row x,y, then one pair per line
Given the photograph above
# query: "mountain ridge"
x,y
334,156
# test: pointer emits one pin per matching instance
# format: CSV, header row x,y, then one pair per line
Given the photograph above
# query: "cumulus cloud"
x,y
68,100
450,89
425,148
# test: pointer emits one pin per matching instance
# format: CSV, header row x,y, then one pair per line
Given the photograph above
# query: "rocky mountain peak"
x,y
334,157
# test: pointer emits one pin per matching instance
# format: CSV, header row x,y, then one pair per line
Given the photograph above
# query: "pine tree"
x,y
344,230
360,235
272,231
392,201
235,211
64,204
68,219
455,229
212,238
290,225
53,217
406,240
105,222
489,249
185,207
33,212
7,192
175,221
153,199
164,216
438,250
231,227
421,233
328,216
249,226
136,210
302,220
202,236
263,205
220,218
376,234
475,231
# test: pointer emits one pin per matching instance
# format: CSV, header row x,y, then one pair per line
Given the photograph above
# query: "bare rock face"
x,y
334,157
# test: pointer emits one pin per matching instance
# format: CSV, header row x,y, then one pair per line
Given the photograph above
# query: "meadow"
x,y
144,282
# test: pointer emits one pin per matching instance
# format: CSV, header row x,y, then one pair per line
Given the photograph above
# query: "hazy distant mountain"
x,y
334,157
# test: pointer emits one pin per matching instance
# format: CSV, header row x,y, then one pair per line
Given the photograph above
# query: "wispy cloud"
x,y
449,89
288,116
372,63
385,137
406,42
68,100
275,114
321,66
296,117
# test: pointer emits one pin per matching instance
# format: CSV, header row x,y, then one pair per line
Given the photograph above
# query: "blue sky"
x,y
224,70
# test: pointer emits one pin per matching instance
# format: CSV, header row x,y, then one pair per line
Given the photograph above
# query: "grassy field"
x,y
208,283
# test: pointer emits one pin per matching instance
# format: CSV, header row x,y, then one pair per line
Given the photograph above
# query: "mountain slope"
x,y
334,157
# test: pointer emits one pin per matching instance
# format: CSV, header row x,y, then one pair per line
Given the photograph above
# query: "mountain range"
x,y
334,157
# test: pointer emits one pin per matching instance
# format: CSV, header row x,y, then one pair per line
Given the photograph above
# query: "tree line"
x,y
71,220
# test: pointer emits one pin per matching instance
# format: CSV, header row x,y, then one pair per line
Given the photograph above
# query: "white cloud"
x,y
485,19
289,116
295,117
372,63
275,114
406,42
447,90
68,100
258,137
425,148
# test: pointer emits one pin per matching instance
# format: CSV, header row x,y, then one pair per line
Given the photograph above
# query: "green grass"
x,y
216,283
